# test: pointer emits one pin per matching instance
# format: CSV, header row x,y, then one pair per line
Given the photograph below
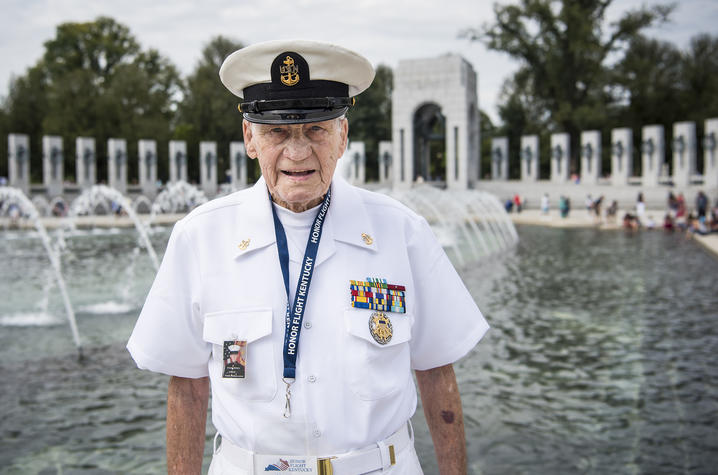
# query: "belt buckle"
x,y
324,466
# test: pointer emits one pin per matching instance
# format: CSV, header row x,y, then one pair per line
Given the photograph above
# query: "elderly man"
x,y
325,385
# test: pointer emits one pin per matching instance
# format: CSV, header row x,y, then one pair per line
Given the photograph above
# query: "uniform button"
x,y
307,324
317,433
312,378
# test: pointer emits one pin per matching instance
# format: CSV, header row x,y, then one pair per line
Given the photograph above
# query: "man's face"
x,y
297,160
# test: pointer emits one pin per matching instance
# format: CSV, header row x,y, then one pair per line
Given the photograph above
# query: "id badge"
x,y
285,463
235,358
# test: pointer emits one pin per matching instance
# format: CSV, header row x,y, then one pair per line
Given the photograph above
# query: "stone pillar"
x,y
117,164
652,149
684,153
52,165
238,165
448,82
18,155
85,162
178,160
357,163
560,157
385,161
529,158
500,158
147,167
710,155
621,156
590,156
208,167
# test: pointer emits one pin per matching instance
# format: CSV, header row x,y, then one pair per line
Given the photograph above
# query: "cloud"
x,y
385,32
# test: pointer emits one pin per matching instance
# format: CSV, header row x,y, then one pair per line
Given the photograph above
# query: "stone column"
x,y
117,164
385,161
238,165
529,158
357,163
560,157
621,156
147,167
18,155
52,165
710,155
684,153
178,160
500,158
208,167
85,162
590,156
652,149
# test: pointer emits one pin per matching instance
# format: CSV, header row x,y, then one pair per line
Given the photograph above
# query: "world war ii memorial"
x,y
600,357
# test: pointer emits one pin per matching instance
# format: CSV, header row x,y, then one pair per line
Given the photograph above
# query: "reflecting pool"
x,y
601,358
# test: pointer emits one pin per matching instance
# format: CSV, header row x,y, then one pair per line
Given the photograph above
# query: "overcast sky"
x,y
385,32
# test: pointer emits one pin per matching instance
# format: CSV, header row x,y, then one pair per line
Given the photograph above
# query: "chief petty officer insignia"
x,y
377,294
380,327
289,72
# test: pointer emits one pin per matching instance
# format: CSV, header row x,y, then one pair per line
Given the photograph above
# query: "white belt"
x,y
378,457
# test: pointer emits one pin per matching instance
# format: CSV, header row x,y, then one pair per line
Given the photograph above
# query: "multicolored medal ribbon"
x,y
377,294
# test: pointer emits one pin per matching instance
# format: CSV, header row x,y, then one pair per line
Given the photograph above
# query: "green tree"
x,y
209,110
94,80
370,118
700,70
563,47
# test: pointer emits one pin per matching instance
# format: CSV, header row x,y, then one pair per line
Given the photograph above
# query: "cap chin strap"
x,y
326,103
294,116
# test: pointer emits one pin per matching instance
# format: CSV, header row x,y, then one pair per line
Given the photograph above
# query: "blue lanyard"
x,y
294,315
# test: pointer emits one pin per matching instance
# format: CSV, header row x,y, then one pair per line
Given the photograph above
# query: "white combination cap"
x,y
295,81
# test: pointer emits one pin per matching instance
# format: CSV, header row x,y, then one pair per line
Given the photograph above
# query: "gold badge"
x,y
367,239
380,327
289,72
244,245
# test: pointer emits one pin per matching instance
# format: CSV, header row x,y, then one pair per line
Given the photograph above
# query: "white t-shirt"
x,y
220,280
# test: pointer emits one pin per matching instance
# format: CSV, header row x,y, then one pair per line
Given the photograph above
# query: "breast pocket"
x,y
255,327
376,368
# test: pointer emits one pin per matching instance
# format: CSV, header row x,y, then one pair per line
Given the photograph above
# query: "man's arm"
x,y
442,408
186,417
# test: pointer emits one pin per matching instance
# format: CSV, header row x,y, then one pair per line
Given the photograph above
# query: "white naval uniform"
x,y
220,279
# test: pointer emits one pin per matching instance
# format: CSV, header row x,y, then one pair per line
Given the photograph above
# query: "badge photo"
x,y
235,358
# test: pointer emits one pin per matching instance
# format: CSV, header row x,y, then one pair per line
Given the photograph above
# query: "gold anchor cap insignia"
x,y
244,244
289,72
367,239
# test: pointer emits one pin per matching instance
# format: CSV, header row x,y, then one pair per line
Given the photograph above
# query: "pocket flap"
x,y
246,324
357,323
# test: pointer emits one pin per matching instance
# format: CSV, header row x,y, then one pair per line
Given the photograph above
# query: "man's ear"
x,y
249,146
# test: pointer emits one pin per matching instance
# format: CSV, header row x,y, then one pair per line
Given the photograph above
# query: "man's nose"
x,y
298,148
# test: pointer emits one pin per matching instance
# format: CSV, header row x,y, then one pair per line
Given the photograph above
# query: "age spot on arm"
x,y
448,416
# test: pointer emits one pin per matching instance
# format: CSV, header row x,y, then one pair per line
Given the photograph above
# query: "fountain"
x,y
10,196
177,197
97,195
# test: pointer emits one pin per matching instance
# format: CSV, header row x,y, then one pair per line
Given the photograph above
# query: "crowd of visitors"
x,y
700,219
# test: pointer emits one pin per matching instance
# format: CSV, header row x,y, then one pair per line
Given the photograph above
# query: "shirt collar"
x,y
347,220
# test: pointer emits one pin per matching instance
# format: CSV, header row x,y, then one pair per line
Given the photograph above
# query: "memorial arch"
x,y
429,143
435,122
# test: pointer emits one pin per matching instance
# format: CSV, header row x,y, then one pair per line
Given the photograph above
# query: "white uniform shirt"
x,y
220,279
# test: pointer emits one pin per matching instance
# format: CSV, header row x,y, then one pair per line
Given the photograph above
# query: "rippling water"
x,y
601,358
